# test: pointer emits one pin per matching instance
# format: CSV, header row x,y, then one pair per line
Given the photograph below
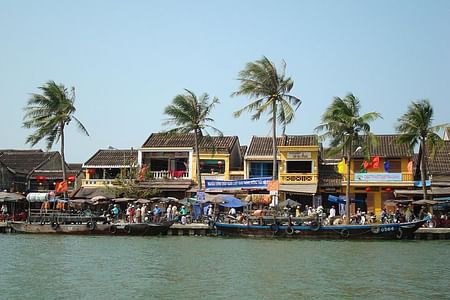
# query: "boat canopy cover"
x,y
37,197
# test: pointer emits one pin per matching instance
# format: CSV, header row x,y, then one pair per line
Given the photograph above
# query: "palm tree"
x,y
190,114
415,127
348,130
268,90
49,113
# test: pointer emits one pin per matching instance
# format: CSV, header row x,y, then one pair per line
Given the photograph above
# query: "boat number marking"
x,y
386,229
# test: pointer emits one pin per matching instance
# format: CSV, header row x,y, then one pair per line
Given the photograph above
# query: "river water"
x,y
99,267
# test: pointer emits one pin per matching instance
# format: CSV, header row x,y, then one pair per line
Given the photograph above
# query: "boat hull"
x,y
93,228
370,231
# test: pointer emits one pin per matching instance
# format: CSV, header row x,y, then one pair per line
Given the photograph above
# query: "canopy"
x,y
231,201
119,200
288,202
10,197
342,200
143,201
164,199
425,202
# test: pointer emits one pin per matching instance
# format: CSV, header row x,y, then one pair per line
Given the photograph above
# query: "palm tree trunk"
x,y
197,152
423,168
63,157
274,141
347,190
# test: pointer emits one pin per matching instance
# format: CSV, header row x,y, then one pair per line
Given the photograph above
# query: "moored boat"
x,y
93,228
276,228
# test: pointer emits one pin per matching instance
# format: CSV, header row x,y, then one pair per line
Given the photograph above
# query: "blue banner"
x,y
260,182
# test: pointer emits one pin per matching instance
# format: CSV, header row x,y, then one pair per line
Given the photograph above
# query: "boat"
x,y
93,228
281,227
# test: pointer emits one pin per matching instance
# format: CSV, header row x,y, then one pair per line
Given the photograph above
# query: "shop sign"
x,y
377,177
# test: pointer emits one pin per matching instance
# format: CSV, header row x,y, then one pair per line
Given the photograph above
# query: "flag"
x,y
362,167
376,162
366,165
387,166
341,166
61,187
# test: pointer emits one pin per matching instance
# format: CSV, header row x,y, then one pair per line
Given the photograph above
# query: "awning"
x,y
435,191
309,189
91,192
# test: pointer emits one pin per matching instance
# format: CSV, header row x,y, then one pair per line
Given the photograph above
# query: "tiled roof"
x,y
388,147
117,158
24,161
447,133
218,143
262,146
75,166
243,150
440,164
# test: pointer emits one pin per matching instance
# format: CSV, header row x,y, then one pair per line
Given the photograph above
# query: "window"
x,y
212,166
300,166
260,169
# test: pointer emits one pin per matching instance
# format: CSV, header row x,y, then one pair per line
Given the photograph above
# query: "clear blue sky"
x,y
128,59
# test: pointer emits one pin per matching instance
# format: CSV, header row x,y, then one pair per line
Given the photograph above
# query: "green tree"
x,y
190,114
268,90
49,113
347,130
415,127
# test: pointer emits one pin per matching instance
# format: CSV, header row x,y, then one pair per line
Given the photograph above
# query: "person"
x,y
174,212
384,215
138,216
232,212
298,211
408,214
156,214
210,210
115,212
144,212
132,213
332,212
397,215
45,206
169,213
422,213
4,211
183,213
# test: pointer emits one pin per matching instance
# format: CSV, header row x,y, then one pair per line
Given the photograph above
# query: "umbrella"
x,y
164,199
143,201
288,202
188,201
425,201
98,198
231,201
119,200
10,197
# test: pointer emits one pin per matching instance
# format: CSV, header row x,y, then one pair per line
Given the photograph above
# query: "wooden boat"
x,y
291,228
93,228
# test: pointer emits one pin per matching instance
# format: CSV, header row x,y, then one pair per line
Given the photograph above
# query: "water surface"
x,y
71,267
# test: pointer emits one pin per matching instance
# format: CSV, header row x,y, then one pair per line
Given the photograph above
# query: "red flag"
x,y
367,165
410,166
375,162
61,187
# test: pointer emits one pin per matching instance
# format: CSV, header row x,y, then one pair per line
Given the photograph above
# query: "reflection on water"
x,y
70,267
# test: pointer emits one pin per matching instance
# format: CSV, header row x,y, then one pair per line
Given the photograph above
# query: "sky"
x,y
128,59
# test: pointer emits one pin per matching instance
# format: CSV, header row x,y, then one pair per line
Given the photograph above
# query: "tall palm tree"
x,y
49,113
347,130
415,127
268,90
190,114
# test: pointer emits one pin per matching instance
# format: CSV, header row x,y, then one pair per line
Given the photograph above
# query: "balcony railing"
x,y
100,182
298,178
169,174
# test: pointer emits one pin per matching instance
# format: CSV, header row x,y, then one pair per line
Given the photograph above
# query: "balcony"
x,y
100,182
299,178
158,175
